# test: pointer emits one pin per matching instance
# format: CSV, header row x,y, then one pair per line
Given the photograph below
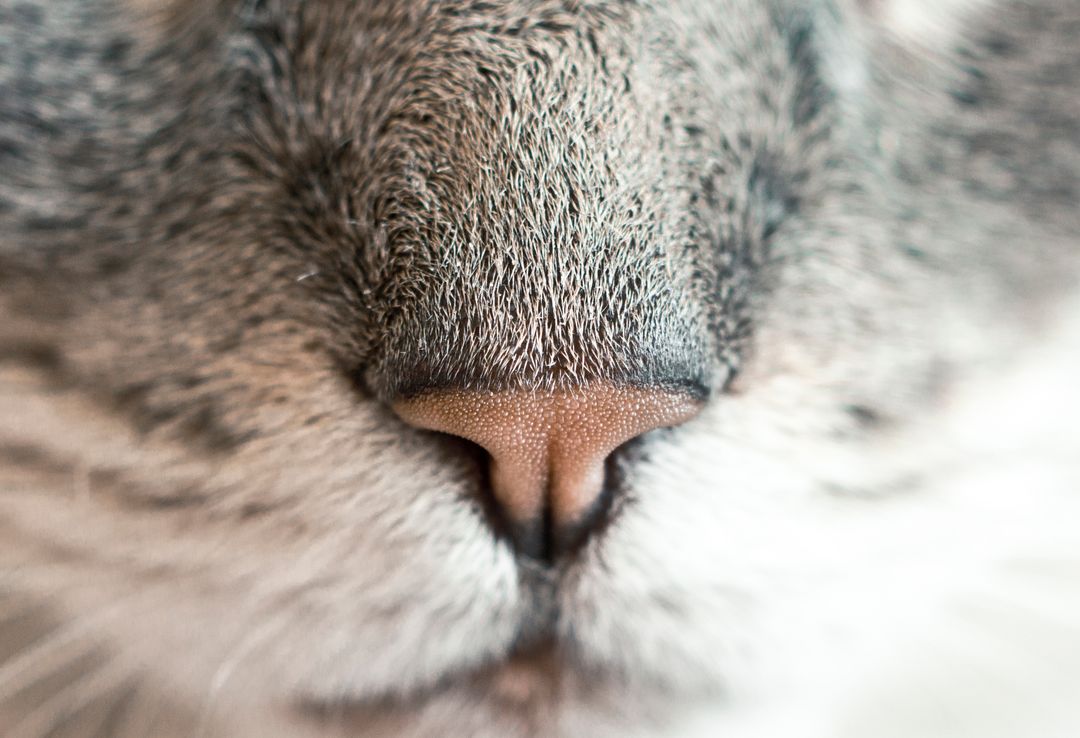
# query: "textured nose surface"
x,y
548,448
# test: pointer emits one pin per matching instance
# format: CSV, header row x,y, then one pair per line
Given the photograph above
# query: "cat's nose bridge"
x,y
548,448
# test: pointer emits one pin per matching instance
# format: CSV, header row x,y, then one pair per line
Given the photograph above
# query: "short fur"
x,y
231,232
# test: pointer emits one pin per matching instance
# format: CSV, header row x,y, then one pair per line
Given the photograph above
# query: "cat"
x,y
539,368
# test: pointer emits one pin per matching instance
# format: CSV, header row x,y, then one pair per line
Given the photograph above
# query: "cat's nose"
x,y
548,448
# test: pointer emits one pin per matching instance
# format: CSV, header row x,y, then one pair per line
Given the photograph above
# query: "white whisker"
x,y
62,647
52,712
264,632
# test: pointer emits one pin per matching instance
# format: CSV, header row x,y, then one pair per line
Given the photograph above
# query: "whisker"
x,y
57,658
144,714
49,654
266,631
56,710
116,712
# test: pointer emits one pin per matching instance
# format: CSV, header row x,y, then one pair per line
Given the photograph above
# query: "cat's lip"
x,y
524,679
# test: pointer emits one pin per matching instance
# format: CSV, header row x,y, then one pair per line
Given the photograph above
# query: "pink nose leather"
x,y
548,448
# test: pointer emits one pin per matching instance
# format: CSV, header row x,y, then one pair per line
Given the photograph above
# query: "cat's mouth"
x,y
529,678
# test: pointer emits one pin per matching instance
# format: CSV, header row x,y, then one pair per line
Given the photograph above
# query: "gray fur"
x,y
232,231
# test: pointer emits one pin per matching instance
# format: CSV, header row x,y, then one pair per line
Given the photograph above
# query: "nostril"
x,y
569,536
530,538
550,452
480,460
542,538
